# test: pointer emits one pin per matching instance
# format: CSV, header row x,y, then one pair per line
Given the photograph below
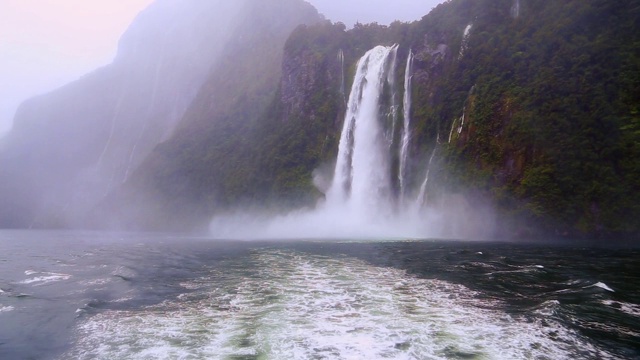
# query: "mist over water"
x,y
367,195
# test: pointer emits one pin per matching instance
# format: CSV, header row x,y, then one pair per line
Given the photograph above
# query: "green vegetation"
x,y
552,124
551,105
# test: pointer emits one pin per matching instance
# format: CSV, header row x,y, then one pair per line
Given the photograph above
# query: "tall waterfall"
x,y
361,180
369,194
406,131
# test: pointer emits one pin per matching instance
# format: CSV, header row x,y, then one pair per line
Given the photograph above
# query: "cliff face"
x,y
533,108
545,130
211,161
71,147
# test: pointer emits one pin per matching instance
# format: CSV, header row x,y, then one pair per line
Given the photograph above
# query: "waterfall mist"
x,y
367,194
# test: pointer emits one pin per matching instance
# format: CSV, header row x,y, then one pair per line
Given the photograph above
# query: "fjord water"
x,y
72,295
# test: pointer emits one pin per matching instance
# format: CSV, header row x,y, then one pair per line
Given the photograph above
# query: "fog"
x,y
367,11
453,218
48,43
74,148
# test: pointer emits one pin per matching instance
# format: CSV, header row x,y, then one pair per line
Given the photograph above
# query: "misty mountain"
x,y
531,105
73,146
186,178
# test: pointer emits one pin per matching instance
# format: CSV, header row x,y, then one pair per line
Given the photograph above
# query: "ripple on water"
x,y
43,277
298,306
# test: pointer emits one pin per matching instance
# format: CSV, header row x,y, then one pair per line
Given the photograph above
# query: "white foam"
x,y
603,286
627,308
101,281
6,308
289,305
44,278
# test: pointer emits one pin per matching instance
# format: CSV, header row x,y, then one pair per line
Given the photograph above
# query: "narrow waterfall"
x,y
453,125
393,108
422,196
465,40
406,131
515,9
361,180
342,86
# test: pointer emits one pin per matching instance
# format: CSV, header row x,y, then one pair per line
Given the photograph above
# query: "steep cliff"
x,y
211,160
532,106
71,147
529,106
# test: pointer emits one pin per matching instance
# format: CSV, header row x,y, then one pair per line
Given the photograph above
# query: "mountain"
x,y
207,163
72,147
525,108
528,105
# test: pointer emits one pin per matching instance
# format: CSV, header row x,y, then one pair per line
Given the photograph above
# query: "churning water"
x,y
153,296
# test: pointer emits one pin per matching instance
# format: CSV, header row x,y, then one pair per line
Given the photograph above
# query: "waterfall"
x,y
453,125
341,60
368,195
406,132
515,9
361,179
461,120
422,196
465,40
393,109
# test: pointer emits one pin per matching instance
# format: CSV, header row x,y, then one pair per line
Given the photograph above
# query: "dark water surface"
x,y
73,295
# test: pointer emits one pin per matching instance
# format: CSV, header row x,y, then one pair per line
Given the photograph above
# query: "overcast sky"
x,y
47,43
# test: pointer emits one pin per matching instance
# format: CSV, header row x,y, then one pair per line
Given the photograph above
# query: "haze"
x,y
47,43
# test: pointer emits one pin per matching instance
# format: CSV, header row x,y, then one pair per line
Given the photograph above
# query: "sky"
x,y
45,44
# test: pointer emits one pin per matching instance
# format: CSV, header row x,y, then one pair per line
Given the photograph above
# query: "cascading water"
x,y
393,109
515,9
422,195
342,87
361,180
368,196
406,131
465,40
